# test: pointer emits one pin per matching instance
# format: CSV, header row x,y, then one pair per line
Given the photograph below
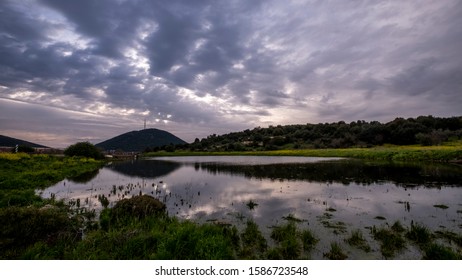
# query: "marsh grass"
x,y
337,227
251,204
450,236
357,240
291,241
419,234
335,252
391,241
254,244
291,218
289,244
398,227
436,251
309,240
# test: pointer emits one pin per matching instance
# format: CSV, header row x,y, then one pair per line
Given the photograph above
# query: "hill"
x,y
6,141
423,130
138,141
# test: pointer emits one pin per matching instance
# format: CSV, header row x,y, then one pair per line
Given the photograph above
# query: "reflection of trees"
x,y
145,168
85,177
347,171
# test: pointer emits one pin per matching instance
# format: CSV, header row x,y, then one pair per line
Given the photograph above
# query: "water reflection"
x,y
145,168
329,196
85,177
346,172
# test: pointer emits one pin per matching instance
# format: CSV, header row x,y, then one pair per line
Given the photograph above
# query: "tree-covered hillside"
x,y
425,130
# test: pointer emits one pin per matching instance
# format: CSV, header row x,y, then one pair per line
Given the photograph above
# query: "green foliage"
x,y
424,130
22,174
444,153
83,149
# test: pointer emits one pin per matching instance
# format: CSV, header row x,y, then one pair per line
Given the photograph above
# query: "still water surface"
x,y
331,196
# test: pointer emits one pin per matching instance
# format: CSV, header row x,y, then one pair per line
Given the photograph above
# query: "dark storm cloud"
x,y
214,67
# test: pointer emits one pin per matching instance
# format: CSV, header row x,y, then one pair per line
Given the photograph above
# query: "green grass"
x,y
254,244
291,242
440,252
419,234
391,242
22,174
357,239
444,153
336,252
309,240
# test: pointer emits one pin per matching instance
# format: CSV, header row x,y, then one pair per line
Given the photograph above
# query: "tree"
x,y
84,149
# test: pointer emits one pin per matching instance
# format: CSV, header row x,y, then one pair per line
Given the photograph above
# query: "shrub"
x,y
137,207
84,149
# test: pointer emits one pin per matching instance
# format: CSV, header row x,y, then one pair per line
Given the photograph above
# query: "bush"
x,y
137,207
84,149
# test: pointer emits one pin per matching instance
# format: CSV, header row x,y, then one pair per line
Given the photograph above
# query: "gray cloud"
x,y
202,67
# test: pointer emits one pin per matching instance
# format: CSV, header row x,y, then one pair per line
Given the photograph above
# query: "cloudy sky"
x,y
90,70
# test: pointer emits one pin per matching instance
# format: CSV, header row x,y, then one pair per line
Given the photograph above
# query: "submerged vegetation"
x,y
357,240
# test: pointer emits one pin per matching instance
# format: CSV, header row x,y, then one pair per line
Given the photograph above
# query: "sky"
x,y
87,70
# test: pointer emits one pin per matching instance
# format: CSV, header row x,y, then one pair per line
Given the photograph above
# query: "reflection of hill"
x,y
145,168
85,177
348,171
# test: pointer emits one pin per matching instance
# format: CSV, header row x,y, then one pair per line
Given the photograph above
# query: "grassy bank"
x,y
451,152
21,174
